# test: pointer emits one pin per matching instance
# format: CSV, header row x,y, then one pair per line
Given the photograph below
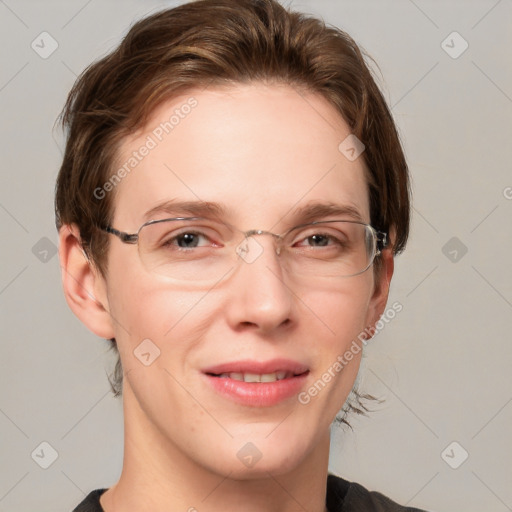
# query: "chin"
x,y
271,465
252,456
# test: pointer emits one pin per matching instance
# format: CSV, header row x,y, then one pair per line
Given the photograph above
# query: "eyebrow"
x,y
304,214
194,208
315,210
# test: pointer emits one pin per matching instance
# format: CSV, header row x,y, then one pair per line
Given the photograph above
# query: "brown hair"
x,y
219,42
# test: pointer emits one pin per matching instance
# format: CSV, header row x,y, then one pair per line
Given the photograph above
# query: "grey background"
x,y
442,364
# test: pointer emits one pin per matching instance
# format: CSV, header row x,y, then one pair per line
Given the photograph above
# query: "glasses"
x,y
200,250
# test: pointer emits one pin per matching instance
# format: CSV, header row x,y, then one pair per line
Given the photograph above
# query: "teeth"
x,y
255,377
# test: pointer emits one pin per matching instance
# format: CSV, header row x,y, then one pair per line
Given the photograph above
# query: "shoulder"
x,y
343,496
91,503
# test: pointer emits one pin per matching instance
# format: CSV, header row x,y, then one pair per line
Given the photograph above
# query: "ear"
x,y
380,294
84,287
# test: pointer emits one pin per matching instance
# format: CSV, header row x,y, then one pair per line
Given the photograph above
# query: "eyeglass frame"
x,y
380,237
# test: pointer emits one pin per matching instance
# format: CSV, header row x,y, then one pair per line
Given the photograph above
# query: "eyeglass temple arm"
x,y
124,237
382,240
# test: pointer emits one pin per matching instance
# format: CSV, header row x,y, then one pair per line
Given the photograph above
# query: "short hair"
x,y
220,42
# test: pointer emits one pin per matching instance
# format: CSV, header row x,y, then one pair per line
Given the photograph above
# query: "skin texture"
x,y
260,150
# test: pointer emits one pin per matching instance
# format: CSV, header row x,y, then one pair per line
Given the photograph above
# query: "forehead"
x,y
258,150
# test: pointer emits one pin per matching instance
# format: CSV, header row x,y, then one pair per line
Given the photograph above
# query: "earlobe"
x,y
84,287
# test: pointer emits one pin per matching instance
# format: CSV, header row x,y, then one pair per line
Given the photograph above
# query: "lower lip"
x,y
258,394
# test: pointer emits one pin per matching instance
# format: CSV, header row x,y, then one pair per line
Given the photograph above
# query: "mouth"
x,y
280,367
256,377
257,384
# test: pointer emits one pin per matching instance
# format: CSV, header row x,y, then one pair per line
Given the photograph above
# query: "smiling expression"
x,y
261,152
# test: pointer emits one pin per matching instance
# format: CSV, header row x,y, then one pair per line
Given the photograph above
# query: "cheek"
x,y
144,309
340,311
338,319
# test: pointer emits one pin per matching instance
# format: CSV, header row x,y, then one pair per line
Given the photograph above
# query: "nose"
x,y
259,291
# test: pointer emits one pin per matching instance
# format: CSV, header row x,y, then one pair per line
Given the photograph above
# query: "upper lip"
x,y
258,367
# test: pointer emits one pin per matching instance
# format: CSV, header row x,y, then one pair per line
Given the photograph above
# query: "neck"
x,y
158,475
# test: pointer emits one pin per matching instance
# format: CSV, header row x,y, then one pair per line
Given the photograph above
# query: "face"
x,y
262,152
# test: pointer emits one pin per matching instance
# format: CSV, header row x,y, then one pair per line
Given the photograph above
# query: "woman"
x,y
232,195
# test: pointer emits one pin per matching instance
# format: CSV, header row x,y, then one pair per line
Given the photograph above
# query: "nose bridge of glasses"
x,y
250,251
252,232
277,238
